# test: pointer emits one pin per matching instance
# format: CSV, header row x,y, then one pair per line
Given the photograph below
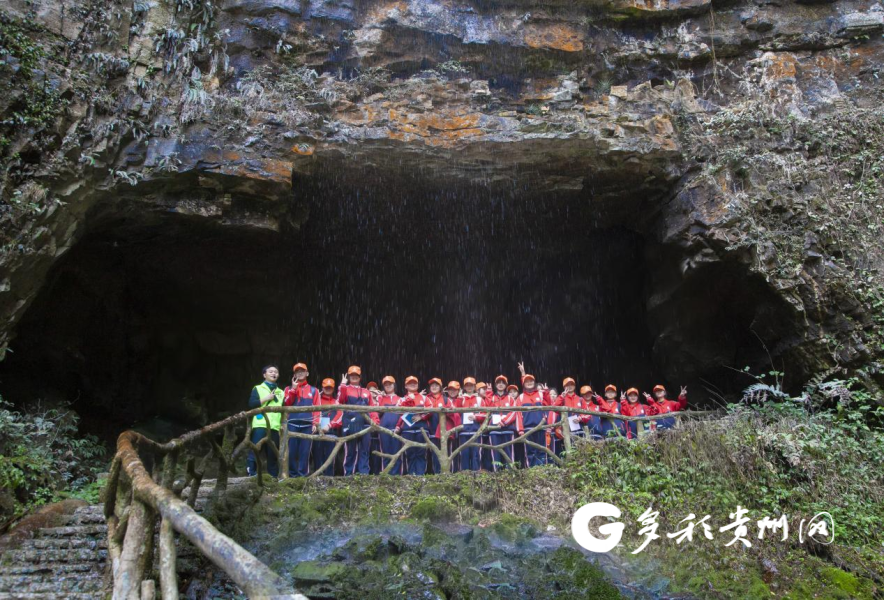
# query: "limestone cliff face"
x,y
742,139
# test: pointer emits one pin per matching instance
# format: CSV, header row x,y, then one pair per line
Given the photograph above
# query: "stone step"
x,y
61,585
48,568
95,531
90,509
69,561
65,543
36,556
82,517
51,596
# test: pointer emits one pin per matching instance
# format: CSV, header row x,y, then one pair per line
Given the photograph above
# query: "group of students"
x,y
306,455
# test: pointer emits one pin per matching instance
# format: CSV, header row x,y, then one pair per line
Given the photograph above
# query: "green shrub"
x,y
433,508
43,459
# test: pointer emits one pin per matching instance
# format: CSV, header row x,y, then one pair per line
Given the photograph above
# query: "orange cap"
x,y
659,388
469,380
411,379
631,391
388,379
568,381
585,390
453,385
481,384
610,388
354,370
527,377
372,384
299,366
501,378
328,382
435,380
512,386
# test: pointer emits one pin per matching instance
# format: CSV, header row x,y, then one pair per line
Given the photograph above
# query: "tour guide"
x,y
266,394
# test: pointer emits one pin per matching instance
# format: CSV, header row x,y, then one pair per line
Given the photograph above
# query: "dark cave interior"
x,y
157,314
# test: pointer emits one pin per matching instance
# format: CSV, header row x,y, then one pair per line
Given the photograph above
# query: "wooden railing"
x,y
144,489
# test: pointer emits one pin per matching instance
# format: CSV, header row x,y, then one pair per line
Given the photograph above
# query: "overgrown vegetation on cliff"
x,y
43,458
804,197
771,454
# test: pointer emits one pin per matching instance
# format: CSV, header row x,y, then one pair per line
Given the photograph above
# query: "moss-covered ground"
x,y
771,460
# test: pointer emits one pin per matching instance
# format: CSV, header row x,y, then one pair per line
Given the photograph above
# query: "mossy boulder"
x,y
367,547
569,571
434,508
313,571
841,584
514,529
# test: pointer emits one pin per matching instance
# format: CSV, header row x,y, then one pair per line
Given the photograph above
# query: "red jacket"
x,y
471,401
627,409
417,400
607,406
571,400
507,418
451,421
638,409
354,395
331,414
533,418
590,405
385,400
303,394
388,400
661,407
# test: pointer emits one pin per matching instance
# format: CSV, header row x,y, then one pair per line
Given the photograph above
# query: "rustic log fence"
x,y
143,497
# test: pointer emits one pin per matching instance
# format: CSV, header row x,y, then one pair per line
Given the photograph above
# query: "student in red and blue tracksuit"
x,y
506,421
470,456
389,420
660,405
589,424
609,404
566,399
449,398
301,393
415,456
556,438
375,464
437,399
526,421
492,397
631,407
323,449
356,451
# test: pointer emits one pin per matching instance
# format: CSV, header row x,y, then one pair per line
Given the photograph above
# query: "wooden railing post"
x,y
129,571
444,455
283,454
255,578
168,562
566,430
148,589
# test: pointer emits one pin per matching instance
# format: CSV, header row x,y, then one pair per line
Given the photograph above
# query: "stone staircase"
x,y
69,561
59,562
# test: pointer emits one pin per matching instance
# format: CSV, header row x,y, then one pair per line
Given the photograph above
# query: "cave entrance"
x,y
154,314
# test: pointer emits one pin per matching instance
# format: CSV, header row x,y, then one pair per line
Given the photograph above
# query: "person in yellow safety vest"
x,y
266,394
